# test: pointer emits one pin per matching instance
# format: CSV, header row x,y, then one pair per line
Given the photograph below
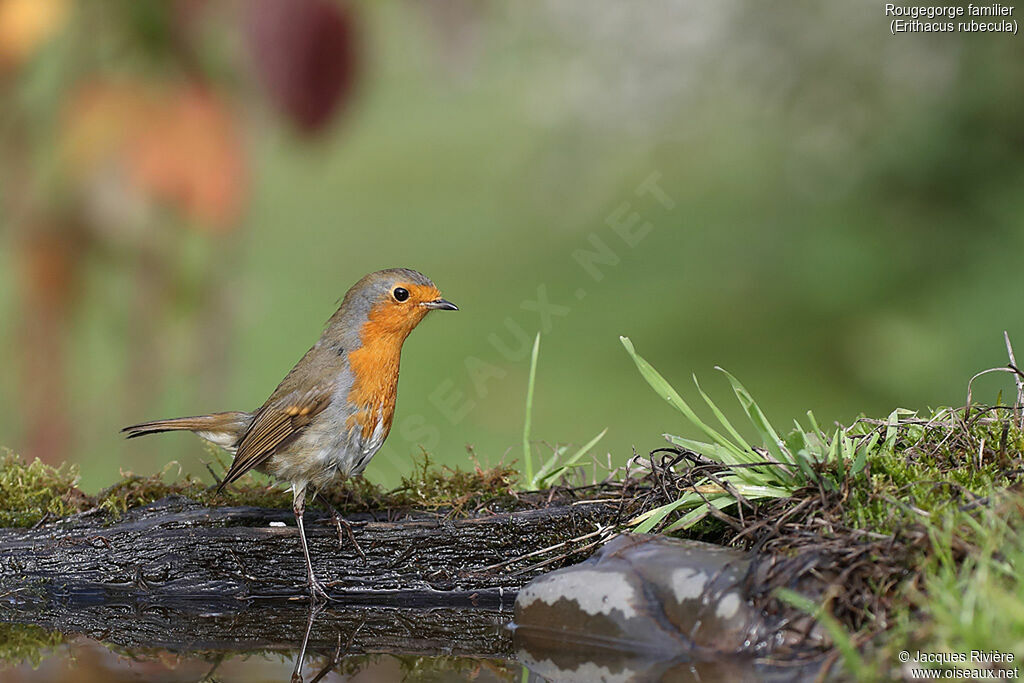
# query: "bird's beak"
x,y
440,304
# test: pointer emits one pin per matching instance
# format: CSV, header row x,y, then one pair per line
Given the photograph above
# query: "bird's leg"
x,y
339,653
316,589
297,671
340,521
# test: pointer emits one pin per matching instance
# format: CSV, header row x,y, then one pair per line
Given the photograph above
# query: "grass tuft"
x,y
920,514
751,474
553,469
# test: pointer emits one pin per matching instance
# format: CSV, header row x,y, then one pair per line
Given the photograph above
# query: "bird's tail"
x,y
224,427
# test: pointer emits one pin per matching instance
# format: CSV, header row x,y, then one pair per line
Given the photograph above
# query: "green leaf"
x,y
833,448
694,516
815,426
892,430
726,456
740,441
796,440
772,441
543,479
652,518
761,491
862,453
665,390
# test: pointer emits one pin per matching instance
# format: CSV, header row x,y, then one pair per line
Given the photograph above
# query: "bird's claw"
x,y
318,592
340,523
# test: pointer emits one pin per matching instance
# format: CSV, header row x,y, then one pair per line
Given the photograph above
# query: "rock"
x,y
645,607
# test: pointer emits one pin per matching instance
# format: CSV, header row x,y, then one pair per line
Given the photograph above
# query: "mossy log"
x,y
177,550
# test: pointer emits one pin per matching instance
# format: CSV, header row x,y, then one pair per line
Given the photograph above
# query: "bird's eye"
x,y
400,293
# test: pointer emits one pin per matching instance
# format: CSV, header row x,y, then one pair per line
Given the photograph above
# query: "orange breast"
x,y
374,365
374,386
374,369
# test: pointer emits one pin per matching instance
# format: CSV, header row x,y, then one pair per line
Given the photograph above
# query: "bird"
x,y
333,411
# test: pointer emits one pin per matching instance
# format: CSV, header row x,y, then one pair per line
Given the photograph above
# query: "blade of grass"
x,y
665,390
815,426
843,641
652,518
757,417
548,466
726,456
862,453
527,457
694,516
891,432
543,478
740,441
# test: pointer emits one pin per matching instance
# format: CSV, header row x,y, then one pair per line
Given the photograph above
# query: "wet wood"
x,y
176,550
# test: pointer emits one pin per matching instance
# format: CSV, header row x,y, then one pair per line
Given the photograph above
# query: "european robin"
x,y
333,411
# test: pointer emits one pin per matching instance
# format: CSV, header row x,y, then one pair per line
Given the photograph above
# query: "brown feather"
x,y
232,423
276,425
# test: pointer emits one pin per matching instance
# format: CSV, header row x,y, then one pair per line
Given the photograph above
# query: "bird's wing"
x,y
276,425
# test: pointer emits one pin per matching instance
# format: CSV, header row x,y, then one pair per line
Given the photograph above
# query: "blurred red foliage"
x,y
136,153
179,145
305,55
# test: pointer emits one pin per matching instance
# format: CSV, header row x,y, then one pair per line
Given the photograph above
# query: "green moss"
x,y
946,487
135,491
937,466
427,487
966,603
20,643
435,487
29,492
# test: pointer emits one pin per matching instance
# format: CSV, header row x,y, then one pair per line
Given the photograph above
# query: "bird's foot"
x,y
318,592
340,522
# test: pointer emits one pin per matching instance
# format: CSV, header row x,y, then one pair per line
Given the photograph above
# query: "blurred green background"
x,y
187,188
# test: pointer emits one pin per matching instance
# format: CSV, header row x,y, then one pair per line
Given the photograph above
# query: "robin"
x,y
333,411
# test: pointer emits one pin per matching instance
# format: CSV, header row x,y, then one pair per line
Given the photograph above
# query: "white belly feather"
x,y
336,448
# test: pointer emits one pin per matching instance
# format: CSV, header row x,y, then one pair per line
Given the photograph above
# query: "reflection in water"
x,y
84,660
259,642
565,663
353,644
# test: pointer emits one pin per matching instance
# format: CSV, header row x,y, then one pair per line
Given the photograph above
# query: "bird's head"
x,y
387,305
